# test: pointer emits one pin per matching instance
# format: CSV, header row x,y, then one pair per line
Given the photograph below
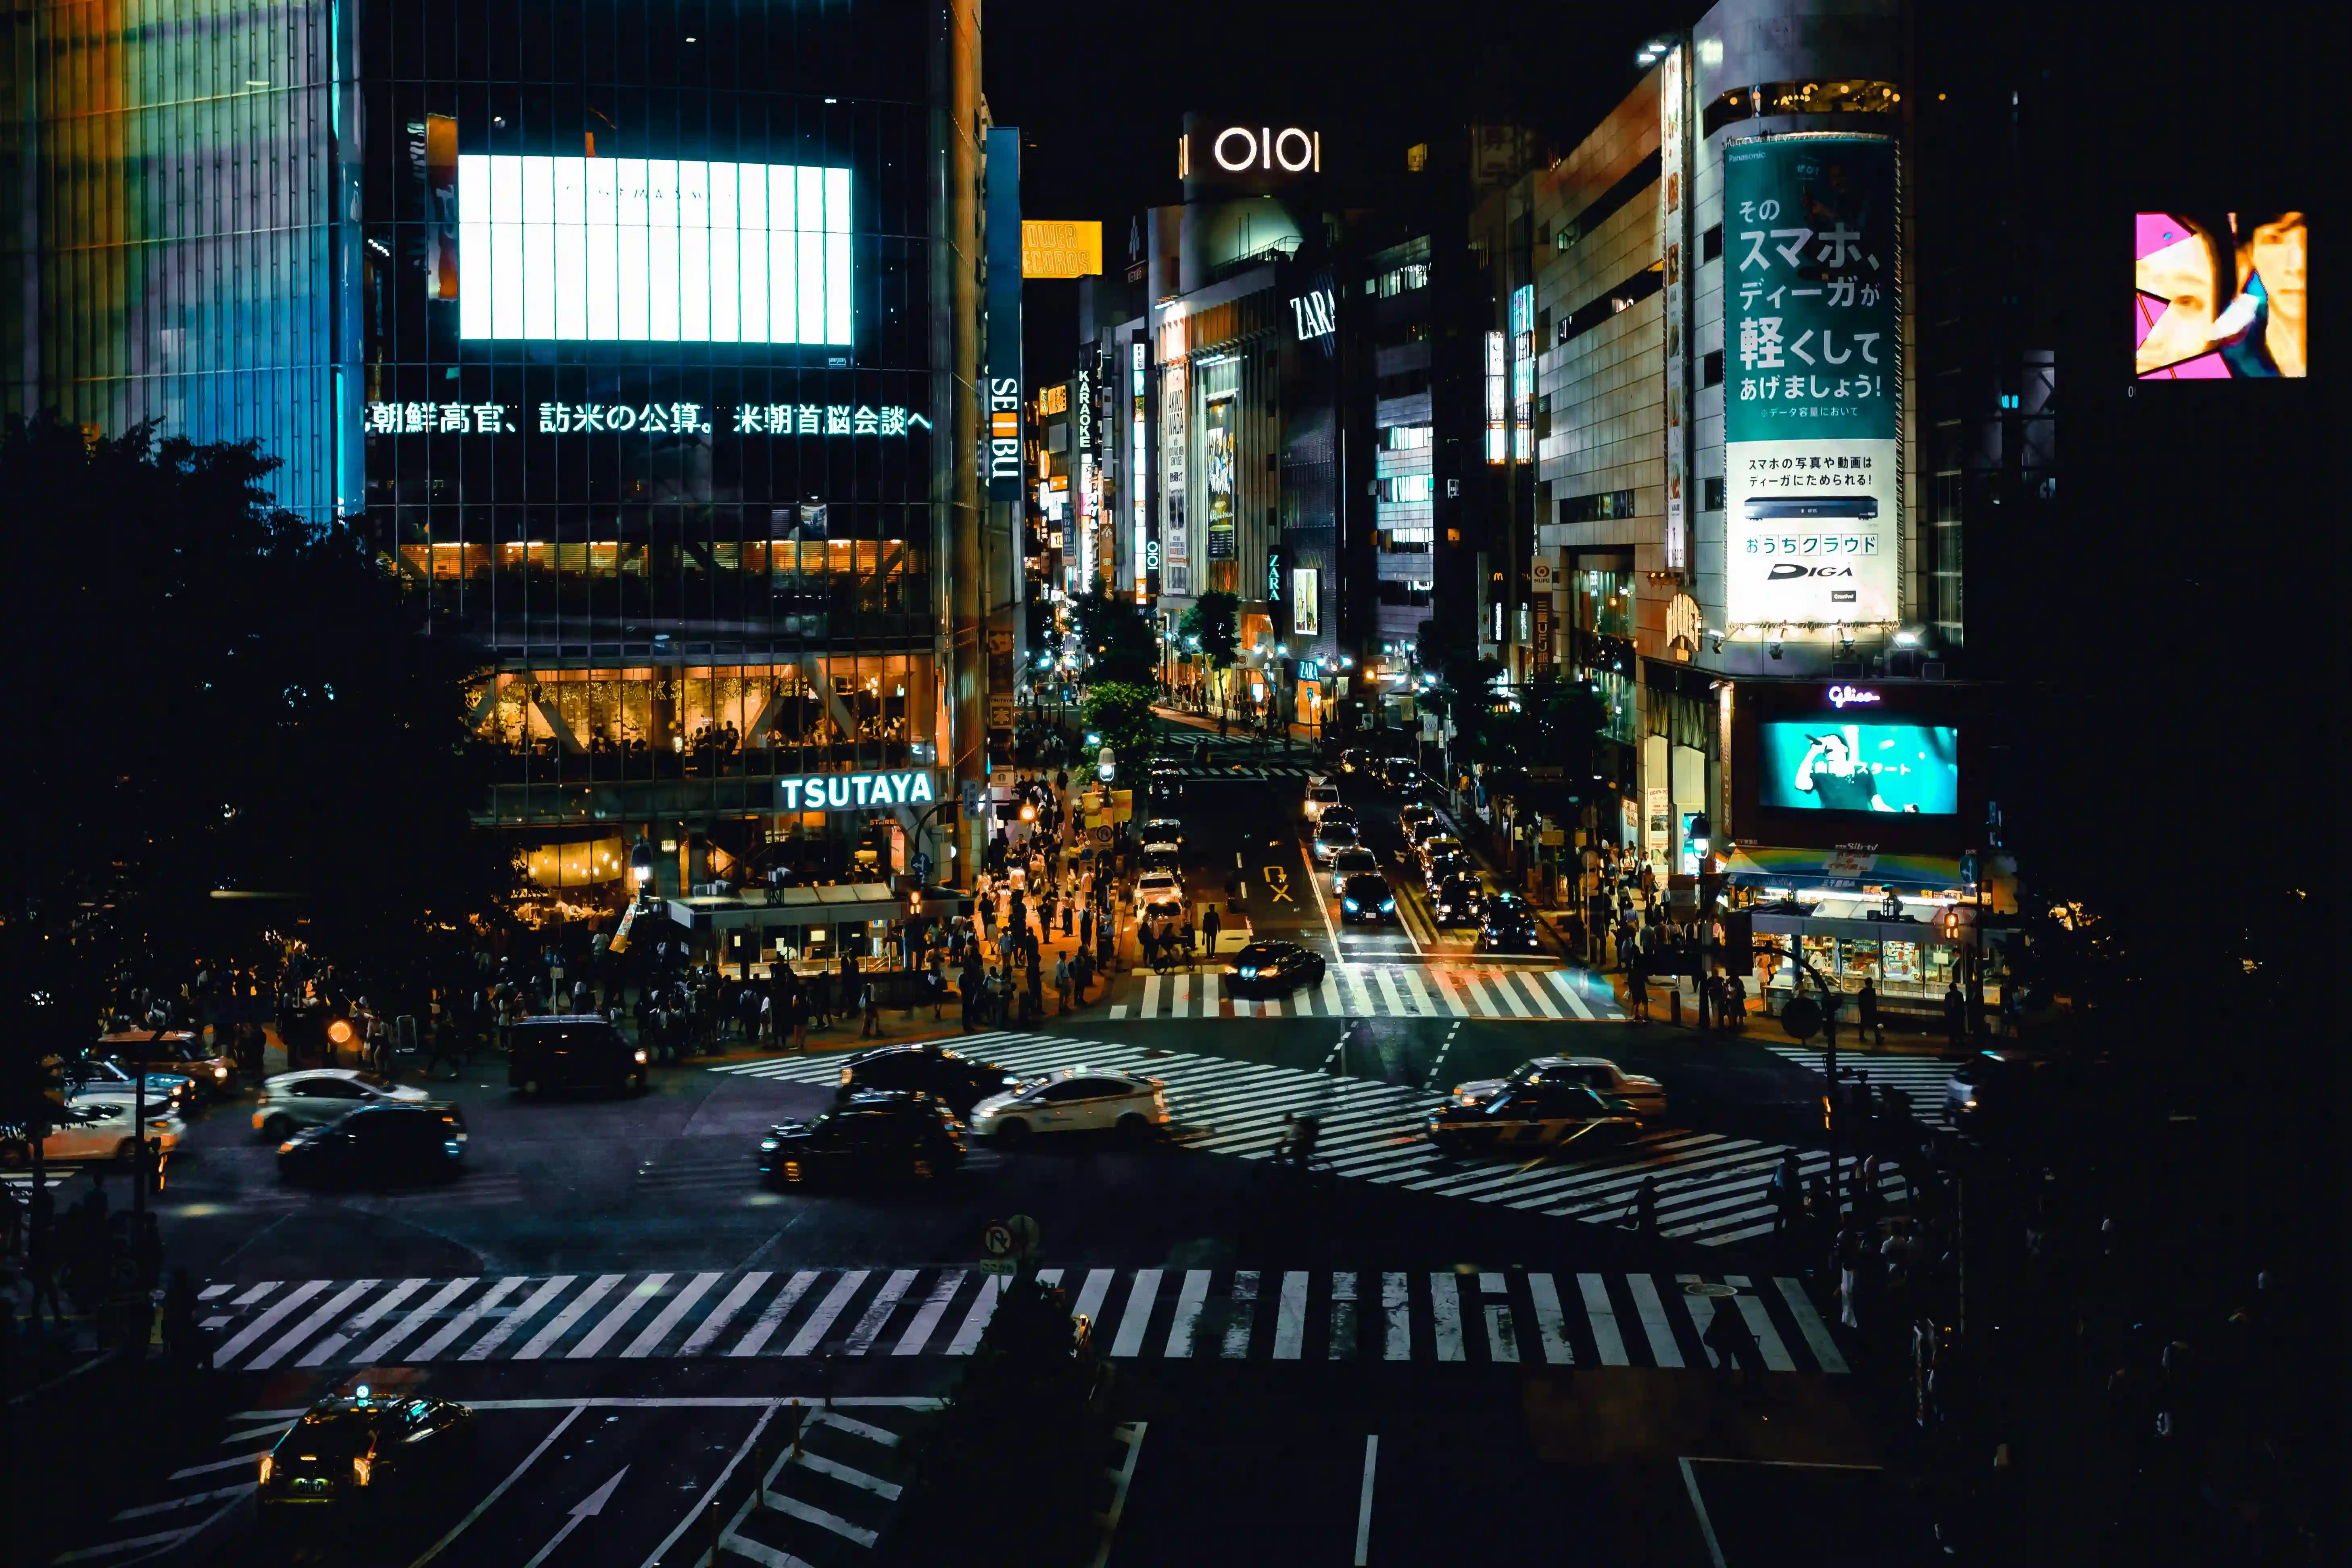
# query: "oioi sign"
x,y
856,792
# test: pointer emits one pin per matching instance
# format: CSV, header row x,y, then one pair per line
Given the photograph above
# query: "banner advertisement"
x,y
1826,763
1673,232
1812,487
440,206
1305,601
1175,531
1217,474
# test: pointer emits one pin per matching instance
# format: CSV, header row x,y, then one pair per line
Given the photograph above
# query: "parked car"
x,y
1074,1099
379,1145
960,1081
1353,861
1454,901
1330,837
1532,1116
176,1052
355,1450
1278,966
868,1133
1365,897
572,1051
1647,1095
81,1132
316,1096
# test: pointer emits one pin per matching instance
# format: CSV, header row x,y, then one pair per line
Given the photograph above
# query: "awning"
x,y
832,904
1763,866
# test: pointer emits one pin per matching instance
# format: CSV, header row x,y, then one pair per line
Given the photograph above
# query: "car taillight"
x,y
361,1468
267,1464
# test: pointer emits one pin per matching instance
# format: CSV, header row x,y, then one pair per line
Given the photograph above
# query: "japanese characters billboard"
x,y
1812,326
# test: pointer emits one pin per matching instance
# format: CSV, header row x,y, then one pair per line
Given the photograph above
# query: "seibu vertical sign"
x,y
1000,461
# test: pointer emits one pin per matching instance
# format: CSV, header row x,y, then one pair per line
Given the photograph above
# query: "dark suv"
x,y
582,1051
869,1133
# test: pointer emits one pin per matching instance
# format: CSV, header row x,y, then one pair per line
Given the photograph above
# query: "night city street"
x,y
825,783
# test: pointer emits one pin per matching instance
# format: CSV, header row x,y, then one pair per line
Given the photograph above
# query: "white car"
x,y
1158,887
1074,1099
317,1096
93,1130
1353,861
1320,792
1647,1095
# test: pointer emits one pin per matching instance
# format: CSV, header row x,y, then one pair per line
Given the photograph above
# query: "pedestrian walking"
x,y
870,1002
1787,1193
1062,983
1643,1209
1210,926
1955,1015
1866,999
1735,1347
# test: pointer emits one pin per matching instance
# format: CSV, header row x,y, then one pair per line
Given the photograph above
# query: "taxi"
x,y
1530,1117
353,1450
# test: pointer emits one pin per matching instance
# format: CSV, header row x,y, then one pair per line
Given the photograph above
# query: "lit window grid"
x,y
1494,397
652,250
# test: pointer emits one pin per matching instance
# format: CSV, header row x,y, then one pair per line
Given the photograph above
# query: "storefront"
x,y
1906,922
808,928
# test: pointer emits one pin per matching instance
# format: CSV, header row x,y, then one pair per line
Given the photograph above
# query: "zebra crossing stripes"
x,y
1712,1187
1469,1317
1380,990
1923,1080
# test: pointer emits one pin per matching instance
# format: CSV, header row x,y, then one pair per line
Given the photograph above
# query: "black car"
x,y
1162,830
1454,901
353,1450
1167,780
931,1070
1530,1116
572,1051
1395,774
869,1133
1506,923
417,1141
1277,966
1366,897
1442,869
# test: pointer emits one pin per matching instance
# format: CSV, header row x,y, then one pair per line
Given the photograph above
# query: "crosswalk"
x,y
1379,991
1246,770
1922,1080
1712,1186
835,1481
1465,1315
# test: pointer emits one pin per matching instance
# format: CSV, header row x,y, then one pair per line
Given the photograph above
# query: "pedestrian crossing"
x,y
1465,1316
1379,991
833,1485
1923,1080
1246,770
1712,1187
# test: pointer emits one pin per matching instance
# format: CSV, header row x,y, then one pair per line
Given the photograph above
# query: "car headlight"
x,y
1387,903
220,1072
1249,975
770,1145
641,1056
1349,904
362,1467
268,1463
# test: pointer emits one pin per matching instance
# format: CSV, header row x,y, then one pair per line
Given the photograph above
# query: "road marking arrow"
x,y
588,1507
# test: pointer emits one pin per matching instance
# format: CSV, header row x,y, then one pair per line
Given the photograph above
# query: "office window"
x,y
1711,494
1710,245
1710,368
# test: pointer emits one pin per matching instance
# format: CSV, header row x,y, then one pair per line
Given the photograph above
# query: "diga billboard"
x,y
1811,411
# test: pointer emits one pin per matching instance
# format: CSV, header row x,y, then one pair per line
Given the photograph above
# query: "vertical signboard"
x,y
1217,474
1813,332
1523,373
1175,530
1084,500
1137,375
1674,218
1002,466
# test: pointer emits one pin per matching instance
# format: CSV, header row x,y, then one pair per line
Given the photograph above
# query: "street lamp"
x,y
641,864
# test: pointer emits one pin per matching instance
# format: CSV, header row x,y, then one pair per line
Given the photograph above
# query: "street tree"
x,y
1120,712
1118,638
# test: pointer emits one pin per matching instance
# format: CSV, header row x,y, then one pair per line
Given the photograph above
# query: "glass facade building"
x,y
626,328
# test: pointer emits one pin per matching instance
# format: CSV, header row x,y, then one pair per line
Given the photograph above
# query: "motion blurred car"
x,y
1366,899
1074,1099
1354,762
1506,923
176,1052
1277,966
1166,779
353,1449
869,1133
1355,861
960,1080
1330,837
316,1096
1533,1116
1396,774
379,1145
97,1081
1647,1095
1454,901
84,1132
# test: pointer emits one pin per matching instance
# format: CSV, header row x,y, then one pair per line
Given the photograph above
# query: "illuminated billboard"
x,y
1812,325
1058,248
1217,470
652,250
2219,296
1825,763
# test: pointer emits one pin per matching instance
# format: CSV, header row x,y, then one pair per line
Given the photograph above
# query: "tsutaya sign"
x,y
851,791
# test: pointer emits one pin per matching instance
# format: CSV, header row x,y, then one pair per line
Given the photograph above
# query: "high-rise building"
x,y
643,337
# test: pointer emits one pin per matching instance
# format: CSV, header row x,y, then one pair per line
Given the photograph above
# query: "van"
x,y
572,1051
1320,792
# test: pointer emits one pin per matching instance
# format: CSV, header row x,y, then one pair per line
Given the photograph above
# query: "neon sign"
x,y
848,792
1842,695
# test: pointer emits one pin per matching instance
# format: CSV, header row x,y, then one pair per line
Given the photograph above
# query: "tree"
x,y
252,703
1213,618
1118,638
1122,714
